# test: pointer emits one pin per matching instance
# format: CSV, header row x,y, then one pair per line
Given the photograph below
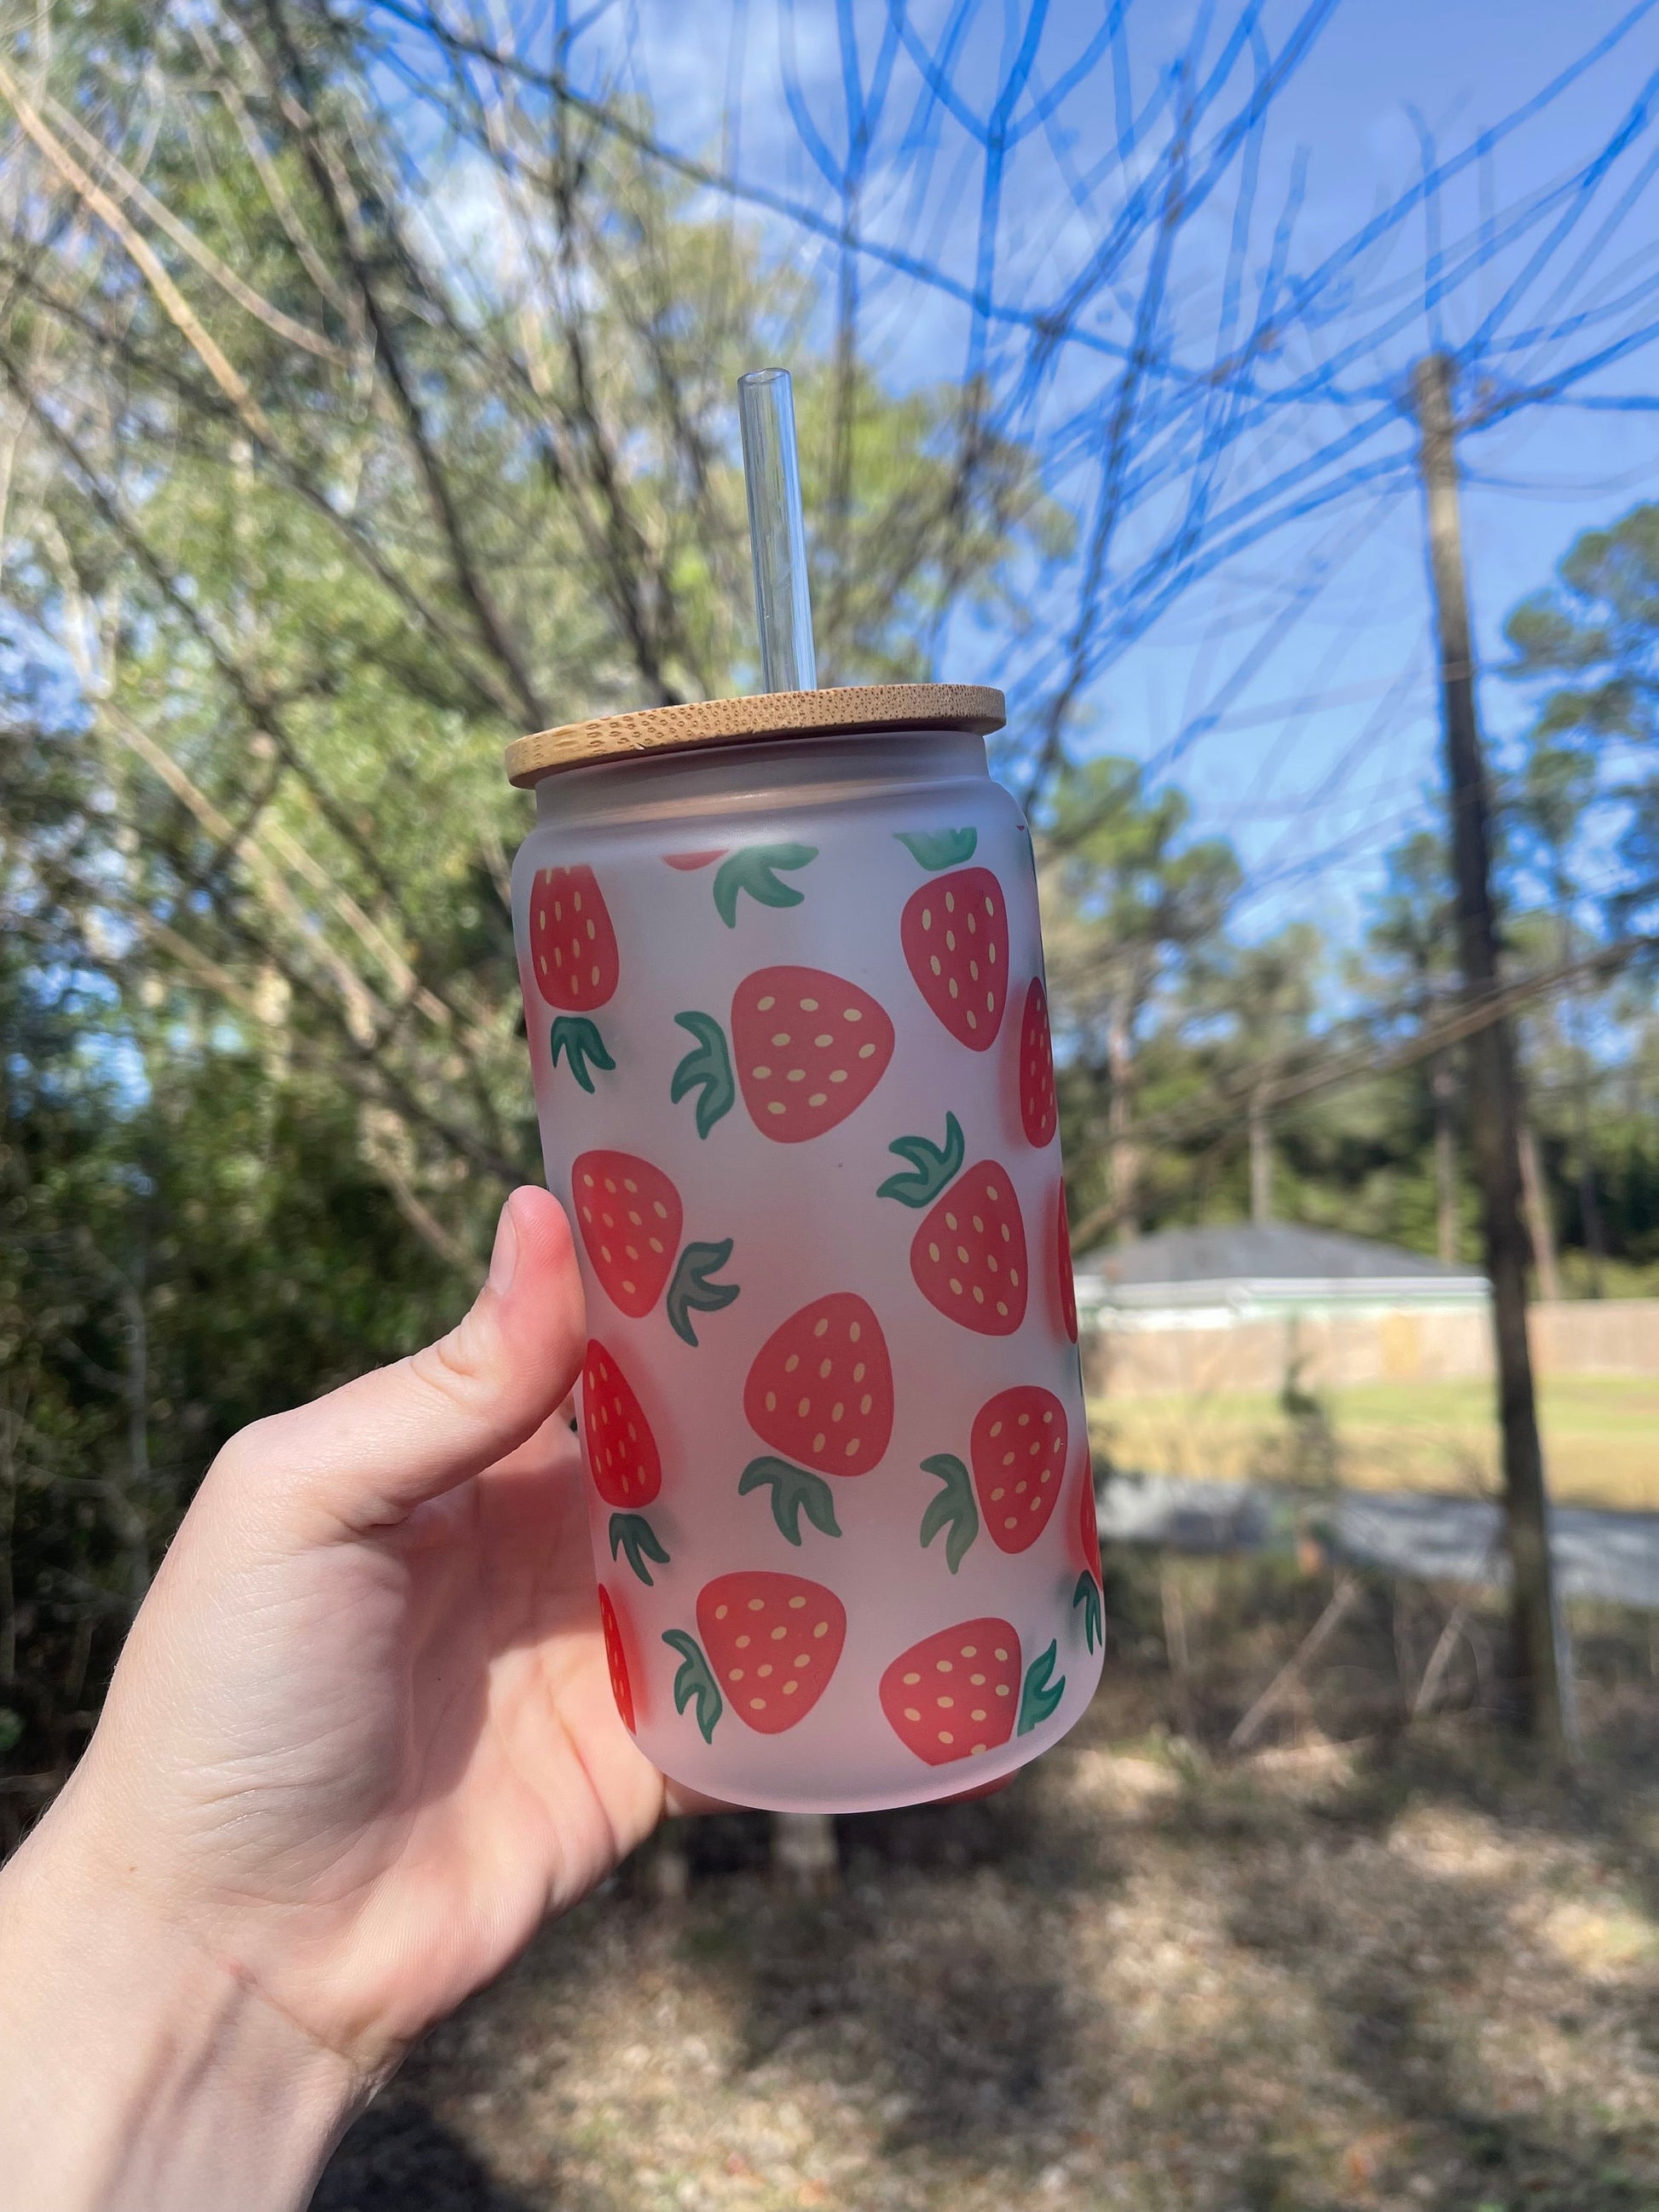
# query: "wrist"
x,y
136,2071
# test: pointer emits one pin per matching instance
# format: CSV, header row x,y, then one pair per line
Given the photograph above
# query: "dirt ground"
x,y
1369,1966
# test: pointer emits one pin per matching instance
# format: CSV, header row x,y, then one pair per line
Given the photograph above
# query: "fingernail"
x,y
505,1257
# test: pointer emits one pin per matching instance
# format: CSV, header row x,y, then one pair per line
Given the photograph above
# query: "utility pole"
x,y
1494,1086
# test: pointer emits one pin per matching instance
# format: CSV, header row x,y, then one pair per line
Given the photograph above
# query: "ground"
x,y
1373,1967
1601,1436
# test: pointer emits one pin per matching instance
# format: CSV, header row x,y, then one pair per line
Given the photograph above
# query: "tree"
x,y
1128,895
321,498
1555,790
307,505
1412,934
1588,645
1494,1076
1261,997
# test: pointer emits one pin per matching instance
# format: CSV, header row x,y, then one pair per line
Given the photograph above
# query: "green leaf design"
x,y
706,1070
794,1492
695,1679
953,1508
693,1291
575,1037
1087,1594
931,1166
1040,1697
754,869
633,1534
939,848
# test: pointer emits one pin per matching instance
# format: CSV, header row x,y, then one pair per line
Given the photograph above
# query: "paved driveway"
x,y
1609,1555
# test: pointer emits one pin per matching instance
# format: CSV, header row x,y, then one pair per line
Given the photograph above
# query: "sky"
x,y
1291,692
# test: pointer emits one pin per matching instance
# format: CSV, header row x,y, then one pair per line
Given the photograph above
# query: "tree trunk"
x,y
1590,1210
804,1857
1123,1153
1441,1084
1539,1228
1494,1091
1262,1157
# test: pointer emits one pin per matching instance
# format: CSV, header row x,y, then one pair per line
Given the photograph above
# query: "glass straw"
x,y
777,534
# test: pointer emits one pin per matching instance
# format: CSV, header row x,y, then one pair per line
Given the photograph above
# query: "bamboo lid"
x,y
841,710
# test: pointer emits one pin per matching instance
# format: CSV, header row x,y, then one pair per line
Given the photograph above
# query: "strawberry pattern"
x,y
1039,1107
831,1409
1088,1592
810,1048
574,960
630,1214
615,1658
954,934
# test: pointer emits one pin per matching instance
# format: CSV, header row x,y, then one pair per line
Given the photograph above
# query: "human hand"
x,y
360,1743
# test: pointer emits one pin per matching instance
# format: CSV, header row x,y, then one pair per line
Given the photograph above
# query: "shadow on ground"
x,y
398,2158
1378,1966
942,1970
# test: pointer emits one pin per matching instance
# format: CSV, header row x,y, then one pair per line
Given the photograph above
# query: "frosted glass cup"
x,y
783,979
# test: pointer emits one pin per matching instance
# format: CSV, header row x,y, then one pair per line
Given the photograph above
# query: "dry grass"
x,y
1404,1972
1601,1436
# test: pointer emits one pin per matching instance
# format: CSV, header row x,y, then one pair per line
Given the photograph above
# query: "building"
x,y
1246,1305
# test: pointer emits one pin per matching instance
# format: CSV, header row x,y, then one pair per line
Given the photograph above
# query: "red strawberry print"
x,y
821,1388
968,1255
573,951
954,934
616,1658
955,1694
810,1048
622,1457
772,1642
621,1452
1039,1110
1018,1449
629,1215
572,942
820,1391
687,862
1064,1283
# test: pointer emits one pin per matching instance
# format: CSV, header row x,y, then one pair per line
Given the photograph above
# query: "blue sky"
x,y
1313,755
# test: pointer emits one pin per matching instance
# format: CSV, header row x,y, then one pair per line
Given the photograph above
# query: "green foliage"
x,y
1589,646
278,582
282,574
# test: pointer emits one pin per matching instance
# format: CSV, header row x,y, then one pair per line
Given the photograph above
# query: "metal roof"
x,y
1269,1256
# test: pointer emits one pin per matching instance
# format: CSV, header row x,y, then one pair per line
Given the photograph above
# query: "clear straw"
x,y
777,534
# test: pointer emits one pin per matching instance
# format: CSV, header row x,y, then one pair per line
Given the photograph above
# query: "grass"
x,y
1601,1436
1371,1968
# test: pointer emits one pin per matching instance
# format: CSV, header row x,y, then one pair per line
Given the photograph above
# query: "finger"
x,y
368,1454
681,1803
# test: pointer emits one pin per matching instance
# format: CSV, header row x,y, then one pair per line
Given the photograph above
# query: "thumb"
x,y
367,1455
